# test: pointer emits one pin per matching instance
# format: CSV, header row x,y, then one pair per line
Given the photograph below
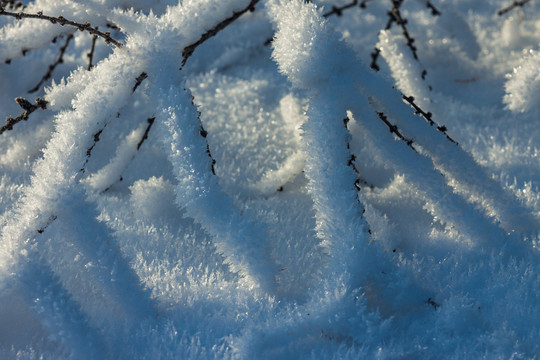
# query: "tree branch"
x,y
53,66
515,4
395,130
28,108
188,50
427,117
62,21
91,53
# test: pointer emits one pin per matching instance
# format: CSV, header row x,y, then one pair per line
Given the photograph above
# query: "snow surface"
x,y
270,213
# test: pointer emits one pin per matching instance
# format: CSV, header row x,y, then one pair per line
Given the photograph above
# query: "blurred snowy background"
x,y
271,199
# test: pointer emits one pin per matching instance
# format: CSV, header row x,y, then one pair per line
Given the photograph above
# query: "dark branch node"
x,y
431,302
203,132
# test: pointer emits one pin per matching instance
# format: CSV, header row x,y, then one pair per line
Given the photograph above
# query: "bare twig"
x,y
338,10
188,50
63,21
395,17
28,108
139,80
89,150
515,4
52,218
53,66
150,122
395,130
91,53
360,181
434,10
374,56
428,117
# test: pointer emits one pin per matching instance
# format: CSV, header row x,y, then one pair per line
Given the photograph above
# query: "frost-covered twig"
x,y
236,235
53,66
28,108
63,21
341,228
395,17
515,4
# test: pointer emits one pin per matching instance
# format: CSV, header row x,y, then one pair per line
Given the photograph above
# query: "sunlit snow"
x,y
275,196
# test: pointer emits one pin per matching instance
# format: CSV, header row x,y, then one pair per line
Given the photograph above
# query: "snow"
x,y
287,201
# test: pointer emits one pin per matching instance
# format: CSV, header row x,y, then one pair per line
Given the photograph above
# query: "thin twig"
x,y
139,80
434,10
374,56
395,130
188,50
428,117
89,150
91,53
49,222
338,10
515,4
28,108
360,181
63,21
396,17
53,66
150,122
